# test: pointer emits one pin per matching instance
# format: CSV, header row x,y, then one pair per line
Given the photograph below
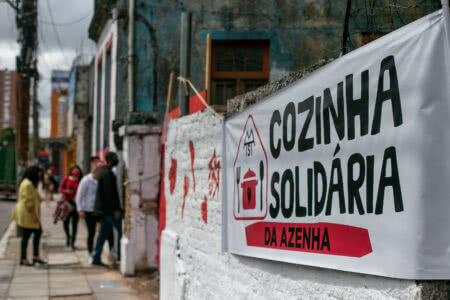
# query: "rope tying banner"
x,y
187,82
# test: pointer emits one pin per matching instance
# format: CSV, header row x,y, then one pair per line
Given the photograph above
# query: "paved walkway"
x,y
67,276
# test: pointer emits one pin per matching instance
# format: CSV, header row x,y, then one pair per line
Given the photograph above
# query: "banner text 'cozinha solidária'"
x,y
344,117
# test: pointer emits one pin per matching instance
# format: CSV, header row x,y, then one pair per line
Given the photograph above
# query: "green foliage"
x,y
7,135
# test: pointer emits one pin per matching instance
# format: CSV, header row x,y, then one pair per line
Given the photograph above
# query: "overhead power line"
x,y
43,47
10,3
68,23
58,40
12,29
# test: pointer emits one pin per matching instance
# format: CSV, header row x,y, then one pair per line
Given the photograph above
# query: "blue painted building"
x,y
252,43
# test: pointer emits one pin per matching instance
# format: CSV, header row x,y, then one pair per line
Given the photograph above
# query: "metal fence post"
x,y
185,61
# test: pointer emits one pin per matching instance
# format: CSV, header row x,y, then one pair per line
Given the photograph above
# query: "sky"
x,y
57,46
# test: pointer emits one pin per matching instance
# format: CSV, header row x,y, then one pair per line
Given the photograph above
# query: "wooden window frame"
x,y
238,76
265,45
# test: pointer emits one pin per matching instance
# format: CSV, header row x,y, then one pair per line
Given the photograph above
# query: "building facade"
x,y
79,116
8,98
58,122
250,46
248,50
60,92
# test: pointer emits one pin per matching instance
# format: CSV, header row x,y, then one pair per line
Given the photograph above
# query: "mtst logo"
x,y
250,175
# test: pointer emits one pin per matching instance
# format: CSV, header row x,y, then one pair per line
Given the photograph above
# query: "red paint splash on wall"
x,y
214,175
192,151
205,210
186,189
173,175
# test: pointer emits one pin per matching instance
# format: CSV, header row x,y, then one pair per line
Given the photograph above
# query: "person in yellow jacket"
x,y
27,214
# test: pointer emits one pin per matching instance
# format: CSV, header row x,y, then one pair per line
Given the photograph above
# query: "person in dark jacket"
x,y
107,207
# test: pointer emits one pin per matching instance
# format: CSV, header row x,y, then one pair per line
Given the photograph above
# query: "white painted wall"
x,y
142,158
109,33
192,265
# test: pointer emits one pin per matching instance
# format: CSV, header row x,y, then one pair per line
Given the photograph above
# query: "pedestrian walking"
x,y
68,188
85,200
48,186
107,207
54,179
27,215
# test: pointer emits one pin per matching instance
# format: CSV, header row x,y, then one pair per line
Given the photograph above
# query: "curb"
x,y
4,241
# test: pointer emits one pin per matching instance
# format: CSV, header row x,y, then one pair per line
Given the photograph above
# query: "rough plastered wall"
x,y
192,265
142,159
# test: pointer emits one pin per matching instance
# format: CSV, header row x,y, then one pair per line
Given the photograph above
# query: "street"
x,y
65,266
6,208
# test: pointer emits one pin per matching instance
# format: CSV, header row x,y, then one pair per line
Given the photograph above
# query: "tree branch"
x,y
12,4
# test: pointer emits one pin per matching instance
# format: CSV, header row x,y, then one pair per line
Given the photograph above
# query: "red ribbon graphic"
x,y
323,238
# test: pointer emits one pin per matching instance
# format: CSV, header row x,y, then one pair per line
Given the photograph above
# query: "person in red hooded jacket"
x,y
68,188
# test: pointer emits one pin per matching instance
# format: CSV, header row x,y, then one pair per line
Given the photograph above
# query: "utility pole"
x,y
35,117
22,116
185,61
26,62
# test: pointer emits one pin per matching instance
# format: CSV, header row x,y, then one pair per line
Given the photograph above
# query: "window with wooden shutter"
x,y
238,67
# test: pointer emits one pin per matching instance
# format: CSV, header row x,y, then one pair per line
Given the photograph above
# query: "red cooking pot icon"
x,y
248,186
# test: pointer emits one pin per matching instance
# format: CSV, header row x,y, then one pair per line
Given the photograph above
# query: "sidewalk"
x,y
68,275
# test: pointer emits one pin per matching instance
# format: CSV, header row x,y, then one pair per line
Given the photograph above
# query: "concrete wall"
x,y
142,159
295,40
82,89
122,90
83,117
386,17
300,32
192,265
84,134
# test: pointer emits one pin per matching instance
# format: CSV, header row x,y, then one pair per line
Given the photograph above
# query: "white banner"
x,y
349,168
